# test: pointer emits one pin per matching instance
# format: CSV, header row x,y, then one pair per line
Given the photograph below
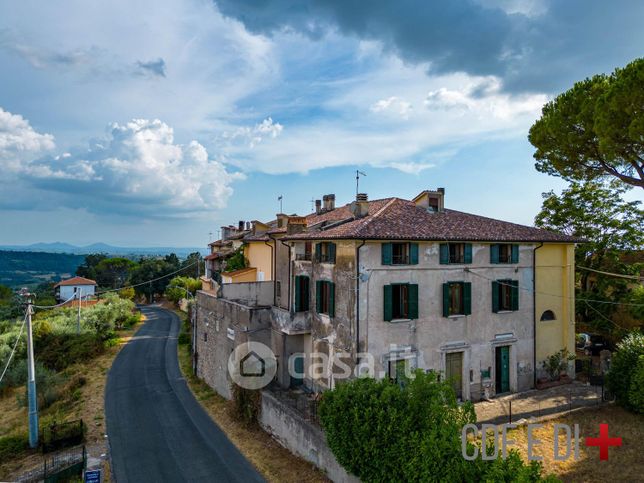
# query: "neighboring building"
x,y
405,282
74,287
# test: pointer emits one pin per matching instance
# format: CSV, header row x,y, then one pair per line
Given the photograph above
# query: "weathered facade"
x,y
382,285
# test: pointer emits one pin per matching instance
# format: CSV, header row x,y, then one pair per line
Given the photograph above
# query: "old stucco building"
x,y
390,283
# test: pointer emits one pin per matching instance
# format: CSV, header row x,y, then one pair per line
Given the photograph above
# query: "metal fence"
x,y
62,435
66,465
536,404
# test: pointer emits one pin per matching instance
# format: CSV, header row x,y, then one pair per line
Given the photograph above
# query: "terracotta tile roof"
x,y
75,281
398,219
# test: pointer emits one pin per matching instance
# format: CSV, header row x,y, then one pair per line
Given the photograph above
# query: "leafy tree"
x,y
114,272
154,269
597,213
88,268
6,293
192,265
595,130
177,287
624,368
636,393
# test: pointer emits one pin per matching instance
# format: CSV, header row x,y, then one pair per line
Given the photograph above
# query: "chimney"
x,y
360,207
282,220
318,207
240,226
248,226
296,224
329,202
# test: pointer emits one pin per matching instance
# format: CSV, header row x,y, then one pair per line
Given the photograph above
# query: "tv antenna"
x,y
358,174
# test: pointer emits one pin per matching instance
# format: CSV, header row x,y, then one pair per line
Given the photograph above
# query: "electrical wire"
x,y
532,290
54,306
13,351
618,275
148,281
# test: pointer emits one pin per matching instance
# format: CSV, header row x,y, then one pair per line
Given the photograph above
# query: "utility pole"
x,y
31,374
80,298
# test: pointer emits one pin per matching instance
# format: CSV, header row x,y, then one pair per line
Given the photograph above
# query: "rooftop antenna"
x,y
358,174
279,198
209,237
312,205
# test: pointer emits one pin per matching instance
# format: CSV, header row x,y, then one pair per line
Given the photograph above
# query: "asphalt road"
x,y
157,431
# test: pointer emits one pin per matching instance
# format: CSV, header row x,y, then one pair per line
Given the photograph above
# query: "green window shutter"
x,y
444,254
306,293
318,252
318,295
446,300
467,298
495,296
494,253
413,253
388,301
468,253
387,253
331,299
515,253
413,301
515,295
298,293
331,253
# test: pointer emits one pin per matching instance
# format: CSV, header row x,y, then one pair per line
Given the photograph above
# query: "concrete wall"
x,y
67,291
555,287
221,325
249,293
259,255
300,437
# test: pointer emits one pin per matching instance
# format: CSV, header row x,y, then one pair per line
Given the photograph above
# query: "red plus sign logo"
x,y
604,442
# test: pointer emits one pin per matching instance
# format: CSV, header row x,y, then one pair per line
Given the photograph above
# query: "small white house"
x,y
70,288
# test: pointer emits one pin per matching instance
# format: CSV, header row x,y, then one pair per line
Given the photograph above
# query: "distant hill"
x,y
60,247
21,268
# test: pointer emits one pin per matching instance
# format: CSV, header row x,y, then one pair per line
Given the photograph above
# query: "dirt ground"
x,y
625,463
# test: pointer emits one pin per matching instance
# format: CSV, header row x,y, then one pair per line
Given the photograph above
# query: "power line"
x,y
619,275
54,306
532,290
13,351
149,281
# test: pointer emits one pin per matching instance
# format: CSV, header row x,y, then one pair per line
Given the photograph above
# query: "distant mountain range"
x,y
60,247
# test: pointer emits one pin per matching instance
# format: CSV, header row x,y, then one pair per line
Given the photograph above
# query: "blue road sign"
x,y
93,476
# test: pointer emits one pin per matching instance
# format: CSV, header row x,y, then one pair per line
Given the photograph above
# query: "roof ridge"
x,y
369,219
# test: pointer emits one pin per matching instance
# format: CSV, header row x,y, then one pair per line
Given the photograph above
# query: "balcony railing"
x,y
303,256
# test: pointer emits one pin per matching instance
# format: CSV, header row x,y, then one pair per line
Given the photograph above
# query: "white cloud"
x,y
138,169
252,136
19,142
393,105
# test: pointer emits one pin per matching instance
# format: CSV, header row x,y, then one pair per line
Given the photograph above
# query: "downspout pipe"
x,y
272,261
289,274
358,301
534,314
273,267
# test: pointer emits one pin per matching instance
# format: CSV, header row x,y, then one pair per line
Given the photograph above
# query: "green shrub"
x,y
12,446
246,405
184,338
623,366
57,351
636,393
49,387
556,363
382,431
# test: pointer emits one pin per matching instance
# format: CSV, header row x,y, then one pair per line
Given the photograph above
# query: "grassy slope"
x,y
86,403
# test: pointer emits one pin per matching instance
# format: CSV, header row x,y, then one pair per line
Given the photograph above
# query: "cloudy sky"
x,y
155,122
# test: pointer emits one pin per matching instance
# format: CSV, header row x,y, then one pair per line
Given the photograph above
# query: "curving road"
x,y
157,430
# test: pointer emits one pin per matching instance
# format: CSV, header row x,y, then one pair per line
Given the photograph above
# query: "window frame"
x,y
465,305
445,253
325,252
302,297
325,298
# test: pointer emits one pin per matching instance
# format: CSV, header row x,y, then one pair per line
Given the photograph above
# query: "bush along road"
x,y
156,428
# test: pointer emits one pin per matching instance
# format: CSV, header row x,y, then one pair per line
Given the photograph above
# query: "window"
x,y
400,253
457,298
301,293
325,297
548,315
400,301
325,252
504,253
505,295
307,252
455,253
